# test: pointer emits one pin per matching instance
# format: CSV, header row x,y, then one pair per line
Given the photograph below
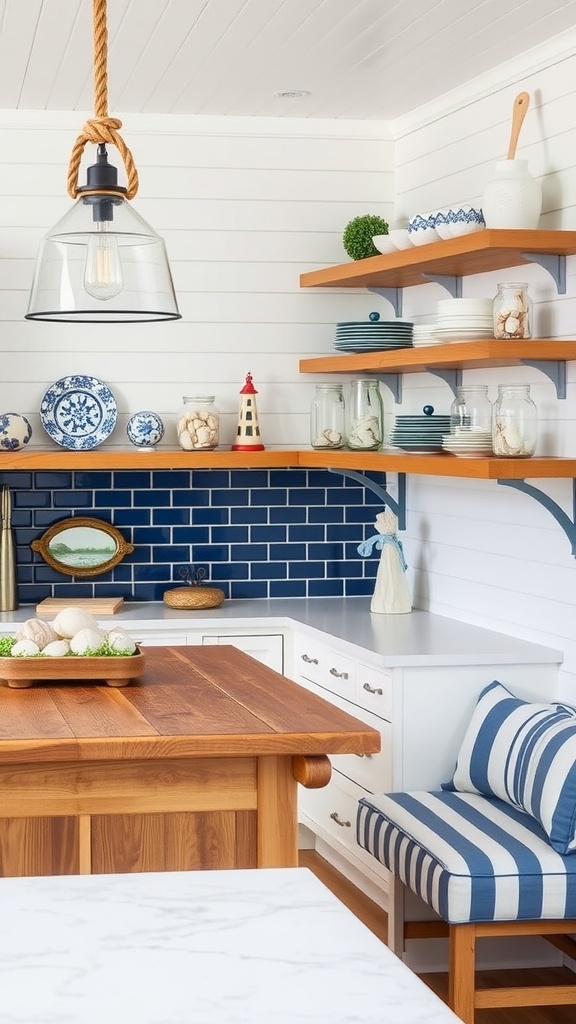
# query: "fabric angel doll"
x,y
391,594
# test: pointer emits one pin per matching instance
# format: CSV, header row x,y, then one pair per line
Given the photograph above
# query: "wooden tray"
x,y
21,673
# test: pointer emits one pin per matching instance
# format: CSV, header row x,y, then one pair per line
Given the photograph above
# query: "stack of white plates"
x,y
464,319
424,334
373,335
468,443
420,434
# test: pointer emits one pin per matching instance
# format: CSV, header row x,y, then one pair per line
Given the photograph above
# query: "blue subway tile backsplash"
x,y
257,533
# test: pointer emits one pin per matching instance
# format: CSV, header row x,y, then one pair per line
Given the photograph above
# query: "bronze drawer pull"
x,y
337,674
363,755
343,824
309,660
373,689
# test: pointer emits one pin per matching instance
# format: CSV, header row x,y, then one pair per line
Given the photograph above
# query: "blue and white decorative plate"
x,y
15,431
145,429
78,412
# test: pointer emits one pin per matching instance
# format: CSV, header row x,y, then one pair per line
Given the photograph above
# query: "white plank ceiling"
x,y
361,59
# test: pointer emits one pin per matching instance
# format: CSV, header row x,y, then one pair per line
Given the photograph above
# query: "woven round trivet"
x,y
193,597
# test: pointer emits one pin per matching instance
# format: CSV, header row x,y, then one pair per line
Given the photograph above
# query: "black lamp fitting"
x,y
103,177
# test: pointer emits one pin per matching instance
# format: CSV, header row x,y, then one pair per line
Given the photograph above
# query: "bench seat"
x,y
487,869
469,857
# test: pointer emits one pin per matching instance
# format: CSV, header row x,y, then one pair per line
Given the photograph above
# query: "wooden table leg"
x,y
277,813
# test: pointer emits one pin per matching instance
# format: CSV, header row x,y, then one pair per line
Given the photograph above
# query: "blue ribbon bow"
x,y
378,541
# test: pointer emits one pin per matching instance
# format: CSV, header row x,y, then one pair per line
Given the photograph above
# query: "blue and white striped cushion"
x,y
524,753
470,857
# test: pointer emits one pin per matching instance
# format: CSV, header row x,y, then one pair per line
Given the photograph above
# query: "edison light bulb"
x,y
103,272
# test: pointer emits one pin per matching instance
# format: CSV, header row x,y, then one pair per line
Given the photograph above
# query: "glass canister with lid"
x,y
327,414
365,416
515,422
198,423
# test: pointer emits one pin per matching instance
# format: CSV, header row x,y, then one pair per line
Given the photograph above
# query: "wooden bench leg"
x,y
396,897
461,969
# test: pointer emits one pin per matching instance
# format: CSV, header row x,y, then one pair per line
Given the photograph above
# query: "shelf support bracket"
x,y
555,265
394,382
398,506
552,368
392,295
563,520
453,378
452,283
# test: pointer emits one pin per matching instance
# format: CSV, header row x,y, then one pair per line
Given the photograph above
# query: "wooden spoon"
x,y
518,114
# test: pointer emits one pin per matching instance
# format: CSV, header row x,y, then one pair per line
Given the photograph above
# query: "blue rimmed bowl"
x,y
422,229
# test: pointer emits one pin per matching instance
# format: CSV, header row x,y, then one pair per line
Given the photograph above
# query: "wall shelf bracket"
x,y
392,295
394,382
563,520
552,368
555,265
453,378
451,282
398,506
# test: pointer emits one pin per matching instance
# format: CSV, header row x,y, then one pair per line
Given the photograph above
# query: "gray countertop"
x,y
410,639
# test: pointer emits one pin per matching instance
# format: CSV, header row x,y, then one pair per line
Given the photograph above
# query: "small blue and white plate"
x,y
145,429
15,431
78,412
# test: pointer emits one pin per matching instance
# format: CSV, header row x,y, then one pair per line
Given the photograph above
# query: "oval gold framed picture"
x,y
82,546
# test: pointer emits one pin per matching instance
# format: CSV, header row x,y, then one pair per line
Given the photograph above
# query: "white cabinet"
x,y
265,646
421,711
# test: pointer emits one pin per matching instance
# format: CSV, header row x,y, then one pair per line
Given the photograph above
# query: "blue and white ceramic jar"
x,y
15,431
145,429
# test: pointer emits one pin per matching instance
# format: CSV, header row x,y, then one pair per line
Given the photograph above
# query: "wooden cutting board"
x,y
95,605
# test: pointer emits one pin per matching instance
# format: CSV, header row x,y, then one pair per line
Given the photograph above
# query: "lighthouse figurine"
x,y
248,430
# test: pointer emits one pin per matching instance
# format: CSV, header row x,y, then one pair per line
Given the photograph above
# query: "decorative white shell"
x,y
120,640
37,630
87,641
25,649
57,649
71,620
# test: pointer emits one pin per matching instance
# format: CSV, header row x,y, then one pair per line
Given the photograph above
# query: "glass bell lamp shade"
x,y
107,266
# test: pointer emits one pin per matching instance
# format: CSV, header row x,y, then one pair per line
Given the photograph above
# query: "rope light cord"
x,y
101,129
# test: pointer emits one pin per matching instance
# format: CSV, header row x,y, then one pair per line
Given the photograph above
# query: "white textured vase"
x,y
513,199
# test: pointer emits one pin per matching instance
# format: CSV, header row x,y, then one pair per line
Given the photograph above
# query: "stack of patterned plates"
x,y
468,443
373,335
420,434
464,319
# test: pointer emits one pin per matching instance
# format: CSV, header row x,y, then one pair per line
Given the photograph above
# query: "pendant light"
x,y
102,263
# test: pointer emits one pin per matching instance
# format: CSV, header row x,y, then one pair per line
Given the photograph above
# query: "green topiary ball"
x,y
358,233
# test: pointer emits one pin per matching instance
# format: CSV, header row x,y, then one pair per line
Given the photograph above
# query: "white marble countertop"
x,y
201,947
417,638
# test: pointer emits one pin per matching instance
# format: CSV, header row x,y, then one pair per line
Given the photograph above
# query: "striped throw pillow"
x,y
525,754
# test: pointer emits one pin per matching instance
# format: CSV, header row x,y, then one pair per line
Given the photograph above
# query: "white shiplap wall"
x,y
479,551
245,206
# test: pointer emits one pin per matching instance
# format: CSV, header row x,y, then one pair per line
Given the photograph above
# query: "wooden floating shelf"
x,y
130,458
455,356
478,253
381,462
441,465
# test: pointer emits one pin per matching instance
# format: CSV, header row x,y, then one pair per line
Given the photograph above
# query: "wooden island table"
x,y
194,765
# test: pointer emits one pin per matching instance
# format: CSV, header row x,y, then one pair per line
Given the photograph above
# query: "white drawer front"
x,y
339,675
371,771
308,659
332,814
374,691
